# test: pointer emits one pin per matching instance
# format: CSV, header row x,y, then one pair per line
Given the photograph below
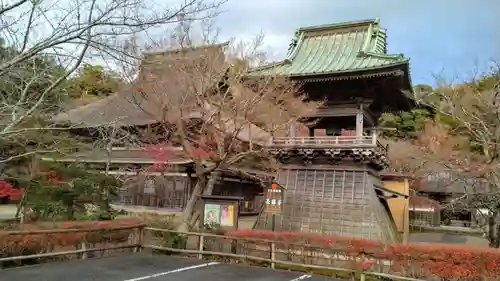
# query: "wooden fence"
x,y
203,246
83,244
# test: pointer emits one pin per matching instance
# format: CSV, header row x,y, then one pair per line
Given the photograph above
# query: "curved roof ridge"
x,y
398,56
270,65
296,48
165,51
334,26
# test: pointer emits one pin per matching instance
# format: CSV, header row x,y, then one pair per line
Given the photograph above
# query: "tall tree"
x,y
206,104
93,80
463,139
40,34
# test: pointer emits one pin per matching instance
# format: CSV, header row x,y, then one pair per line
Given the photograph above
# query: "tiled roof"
x,y
130,108
336,49
120,109
126,155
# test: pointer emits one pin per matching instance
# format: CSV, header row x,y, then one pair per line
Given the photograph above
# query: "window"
x,y
180,183
149,186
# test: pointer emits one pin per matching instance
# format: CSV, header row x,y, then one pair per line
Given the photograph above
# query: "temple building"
x,y
330,170
127,141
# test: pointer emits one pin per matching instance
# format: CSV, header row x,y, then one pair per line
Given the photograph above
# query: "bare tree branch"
x,y
222,119
46,42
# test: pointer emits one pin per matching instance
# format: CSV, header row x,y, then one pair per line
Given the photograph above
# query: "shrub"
x,y
26,244
8,192
434,260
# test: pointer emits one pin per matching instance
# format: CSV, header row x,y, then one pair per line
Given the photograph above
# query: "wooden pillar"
x,y
250,143
359,123
293,129
406,219
437,217
311,132
473,218
374,136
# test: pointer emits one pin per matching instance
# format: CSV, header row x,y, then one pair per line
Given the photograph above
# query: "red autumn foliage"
x,y
6,190
202,153
53,176
162,154
431,260
159,152
14,244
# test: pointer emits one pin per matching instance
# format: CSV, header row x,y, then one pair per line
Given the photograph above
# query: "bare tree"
x,y
222,118
45,42
474,109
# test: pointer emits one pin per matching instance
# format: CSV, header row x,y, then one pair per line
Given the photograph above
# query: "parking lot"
x,y
136,267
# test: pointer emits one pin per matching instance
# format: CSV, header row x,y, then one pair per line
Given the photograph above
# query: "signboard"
x,y
212,214
220,210
219,214
274,199
227,215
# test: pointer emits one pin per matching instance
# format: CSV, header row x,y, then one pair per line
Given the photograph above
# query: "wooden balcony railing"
x,y
329,142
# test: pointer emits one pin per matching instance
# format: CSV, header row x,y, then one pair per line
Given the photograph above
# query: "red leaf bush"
x,y
431,260
26,244
6,190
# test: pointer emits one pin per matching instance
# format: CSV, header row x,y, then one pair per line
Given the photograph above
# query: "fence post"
x,y
200,246
273,255
83,246
139,234
362,277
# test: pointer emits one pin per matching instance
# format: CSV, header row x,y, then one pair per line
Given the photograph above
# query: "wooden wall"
x,y
332,201
398,206
155,191
251,192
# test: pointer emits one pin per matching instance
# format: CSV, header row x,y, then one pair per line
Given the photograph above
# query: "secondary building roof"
x,y
131,107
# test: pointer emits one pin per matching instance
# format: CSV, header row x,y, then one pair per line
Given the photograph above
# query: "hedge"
x,y
25,244
433,260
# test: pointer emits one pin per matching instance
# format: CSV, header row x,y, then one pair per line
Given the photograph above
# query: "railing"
x,y
328,141
84,240
204,246
258,251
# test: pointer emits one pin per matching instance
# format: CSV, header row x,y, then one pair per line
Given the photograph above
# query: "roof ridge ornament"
x,y
292,45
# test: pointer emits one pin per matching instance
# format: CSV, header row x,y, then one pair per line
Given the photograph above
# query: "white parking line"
x,y
305,276
173,271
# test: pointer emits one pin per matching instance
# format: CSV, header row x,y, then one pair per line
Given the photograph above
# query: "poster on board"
x,y
227,215
212,214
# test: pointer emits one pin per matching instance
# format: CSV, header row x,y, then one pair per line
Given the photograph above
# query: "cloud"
x,y
454,35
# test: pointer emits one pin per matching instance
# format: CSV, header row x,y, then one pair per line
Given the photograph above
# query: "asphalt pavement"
x,y
137,267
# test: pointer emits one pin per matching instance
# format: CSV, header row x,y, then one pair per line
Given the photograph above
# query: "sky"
x,y
449,39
